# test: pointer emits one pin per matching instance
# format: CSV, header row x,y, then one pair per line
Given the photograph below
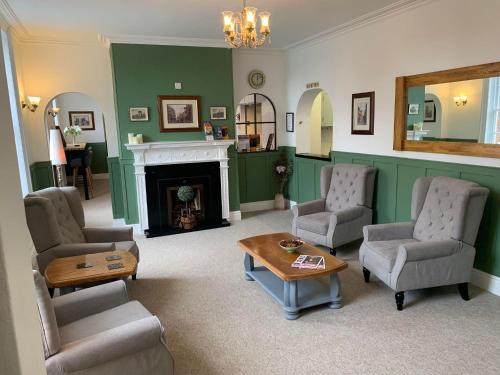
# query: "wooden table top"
x,y
63,272
266,250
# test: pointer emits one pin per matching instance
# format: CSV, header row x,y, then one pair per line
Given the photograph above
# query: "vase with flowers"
x,y
283,169
72,131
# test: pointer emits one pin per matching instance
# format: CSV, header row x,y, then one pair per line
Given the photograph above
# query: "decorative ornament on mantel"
x,y
240,28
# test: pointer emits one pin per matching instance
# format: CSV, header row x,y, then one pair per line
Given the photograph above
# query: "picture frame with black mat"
x,y
363,113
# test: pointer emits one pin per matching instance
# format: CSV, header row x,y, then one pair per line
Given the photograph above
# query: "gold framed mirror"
x,y
454,111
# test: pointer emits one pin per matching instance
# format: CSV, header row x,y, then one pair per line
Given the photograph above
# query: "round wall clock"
x,y
256,79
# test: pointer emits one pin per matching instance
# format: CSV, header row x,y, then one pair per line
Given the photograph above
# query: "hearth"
x,y
183,198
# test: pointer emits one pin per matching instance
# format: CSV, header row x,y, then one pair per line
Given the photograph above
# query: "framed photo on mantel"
x,y
179,113
363,113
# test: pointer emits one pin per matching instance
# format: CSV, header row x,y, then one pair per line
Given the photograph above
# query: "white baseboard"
x,y
257,206
119,222
290,203
101,176
485,281
234,216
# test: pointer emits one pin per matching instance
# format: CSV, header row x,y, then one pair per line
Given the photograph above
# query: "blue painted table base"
x,y
295,295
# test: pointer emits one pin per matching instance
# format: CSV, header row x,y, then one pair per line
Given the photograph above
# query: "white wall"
x,y
48,69
273,64
440,34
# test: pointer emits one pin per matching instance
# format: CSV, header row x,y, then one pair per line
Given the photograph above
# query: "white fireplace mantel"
x,y
161,153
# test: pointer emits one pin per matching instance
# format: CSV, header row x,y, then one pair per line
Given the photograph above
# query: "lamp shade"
x,y
56,148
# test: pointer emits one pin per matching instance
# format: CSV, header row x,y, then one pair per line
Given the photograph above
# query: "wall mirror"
x,y
454,111
256,124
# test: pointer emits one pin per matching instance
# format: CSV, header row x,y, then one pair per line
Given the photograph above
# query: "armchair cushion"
x,y
384,253
347,214
317,223
387,232
102,321
108,234
308,208
78,305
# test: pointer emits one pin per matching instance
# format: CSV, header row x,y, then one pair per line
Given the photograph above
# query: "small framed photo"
x,y
218,113
83,119
429,111
363,113
179,113
290,125
413,109
138,114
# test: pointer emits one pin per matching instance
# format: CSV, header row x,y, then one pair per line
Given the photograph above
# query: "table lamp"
x,y
57,155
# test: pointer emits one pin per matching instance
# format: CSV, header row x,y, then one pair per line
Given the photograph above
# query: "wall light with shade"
x,y
460,100
53,111
32,104
57,154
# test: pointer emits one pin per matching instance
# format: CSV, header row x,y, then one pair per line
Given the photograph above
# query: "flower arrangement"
x,y
283,168
72,131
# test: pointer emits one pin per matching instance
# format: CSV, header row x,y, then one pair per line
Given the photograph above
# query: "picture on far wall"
x,y
179,113
413,109
218,113
83,119
290,122
363,113
139,114
430,111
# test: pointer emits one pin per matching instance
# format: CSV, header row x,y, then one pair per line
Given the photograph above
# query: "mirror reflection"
x,y
463,111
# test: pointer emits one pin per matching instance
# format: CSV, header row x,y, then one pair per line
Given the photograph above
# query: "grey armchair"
x,y
344,208
437,247
98,331
56,222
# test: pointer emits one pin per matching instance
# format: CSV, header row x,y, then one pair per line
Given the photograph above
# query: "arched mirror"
x,y
80,122
256,124
314,132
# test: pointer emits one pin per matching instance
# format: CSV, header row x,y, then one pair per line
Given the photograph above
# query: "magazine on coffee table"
x,y
309,262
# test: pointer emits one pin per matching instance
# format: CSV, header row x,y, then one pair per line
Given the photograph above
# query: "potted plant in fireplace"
x,y
187,219
283,169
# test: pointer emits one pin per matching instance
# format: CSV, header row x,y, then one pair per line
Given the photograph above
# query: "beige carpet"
x,y
218,323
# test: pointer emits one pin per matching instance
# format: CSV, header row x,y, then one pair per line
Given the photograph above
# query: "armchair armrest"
x,y
98,235
416,251
387,232
347,214
308,208
73,249
107,346
90,301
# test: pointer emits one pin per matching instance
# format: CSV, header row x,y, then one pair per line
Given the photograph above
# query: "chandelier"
x,y
240,28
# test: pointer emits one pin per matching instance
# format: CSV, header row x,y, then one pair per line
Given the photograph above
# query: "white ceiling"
x,y
292,20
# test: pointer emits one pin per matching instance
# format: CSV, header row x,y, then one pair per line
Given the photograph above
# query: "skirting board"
x,y
485,281
234,216
257,206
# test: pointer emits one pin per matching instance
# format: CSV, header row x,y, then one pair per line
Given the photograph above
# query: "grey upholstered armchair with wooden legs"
x,y
344,208
56,222
435,248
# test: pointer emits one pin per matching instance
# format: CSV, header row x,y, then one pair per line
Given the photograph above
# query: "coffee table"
x,y
63,272
294,288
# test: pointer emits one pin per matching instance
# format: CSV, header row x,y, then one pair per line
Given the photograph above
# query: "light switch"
x,y
178,85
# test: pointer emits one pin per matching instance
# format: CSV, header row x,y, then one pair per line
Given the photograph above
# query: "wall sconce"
x,y
53,111
460,100
33,103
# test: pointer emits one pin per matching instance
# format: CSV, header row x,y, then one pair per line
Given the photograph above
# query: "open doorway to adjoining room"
x,y
314,133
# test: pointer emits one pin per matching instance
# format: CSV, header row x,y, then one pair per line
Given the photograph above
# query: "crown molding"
x,y
164,40
261,51
9,20
399,7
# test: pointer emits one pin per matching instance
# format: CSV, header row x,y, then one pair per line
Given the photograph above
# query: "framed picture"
x,y
413,109
290,125
179,113
218,113
363,113
138,114
83,119
429,111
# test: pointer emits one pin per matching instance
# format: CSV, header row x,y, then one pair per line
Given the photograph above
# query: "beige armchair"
x,y
57,225
344,208
99,331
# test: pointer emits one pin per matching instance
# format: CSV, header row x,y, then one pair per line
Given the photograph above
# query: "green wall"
x,y
99,157
141,73
416,95
41,175
256,178
393,187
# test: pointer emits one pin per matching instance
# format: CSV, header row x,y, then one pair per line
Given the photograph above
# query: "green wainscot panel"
x,y
306,179
130,208
99,157
41,175
256,177
115,187
407,175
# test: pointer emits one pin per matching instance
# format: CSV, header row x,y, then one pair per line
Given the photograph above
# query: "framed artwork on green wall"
x,y
179,113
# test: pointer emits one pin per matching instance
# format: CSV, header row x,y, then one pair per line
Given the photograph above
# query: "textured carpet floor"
x,y
218,323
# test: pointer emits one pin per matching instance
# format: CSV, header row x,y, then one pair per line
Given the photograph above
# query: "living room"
x,y
208,150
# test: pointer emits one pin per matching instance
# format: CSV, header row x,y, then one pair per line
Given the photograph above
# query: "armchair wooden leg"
x,y
400,297
75,175
333,251
134,276
366,274
463,289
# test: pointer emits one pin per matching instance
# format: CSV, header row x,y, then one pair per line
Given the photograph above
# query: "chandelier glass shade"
x,y
240,28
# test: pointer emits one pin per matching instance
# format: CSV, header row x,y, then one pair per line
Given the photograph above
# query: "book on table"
x,y
309,262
